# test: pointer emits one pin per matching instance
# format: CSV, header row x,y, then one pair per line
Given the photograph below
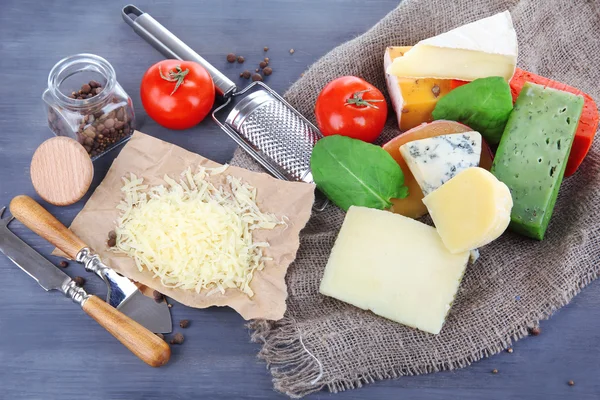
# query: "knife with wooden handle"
x,y
139,340
122,293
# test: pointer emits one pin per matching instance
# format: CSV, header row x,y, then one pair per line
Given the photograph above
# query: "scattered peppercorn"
x,y
160,335
246,74
170,305
158,296
231,57
266,48
262,64
111,242
93,84
510,350
256,77
571,383
494,371
535,331
268,71
266,60
184,323
257,70
241,59
79,281
63,264
292,51
177,339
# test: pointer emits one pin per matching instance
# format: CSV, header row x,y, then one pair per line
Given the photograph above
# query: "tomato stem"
x,y
357,100
175,76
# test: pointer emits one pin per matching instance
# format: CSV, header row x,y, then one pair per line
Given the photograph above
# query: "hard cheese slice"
x,y
533,153
394,266
470,210
413,99
434,161
487,47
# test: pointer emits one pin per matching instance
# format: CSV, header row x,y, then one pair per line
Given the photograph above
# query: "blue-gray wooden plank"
x,y
50,349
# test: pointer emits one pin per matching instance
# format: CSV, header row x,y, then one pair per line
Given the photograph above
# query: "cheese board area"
x,y
217,360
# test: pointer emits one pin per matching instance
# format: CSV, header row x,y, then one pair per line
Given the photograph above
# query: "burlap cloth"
x,y
514,284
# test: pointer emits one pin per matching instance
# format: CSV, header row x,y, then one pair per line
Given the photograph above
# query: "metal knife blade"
x,y
124,295
29,260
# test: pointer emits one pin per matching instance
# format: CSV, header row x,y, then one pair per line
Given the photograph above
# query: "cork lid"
x,y
61,171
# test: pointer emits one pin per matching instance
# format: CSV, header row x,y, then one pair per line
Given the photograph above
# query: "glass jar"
x,y
84,101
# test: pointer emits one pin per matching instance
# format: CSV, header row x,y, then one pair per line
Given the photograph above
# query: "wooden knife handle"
x,y
36,218
148,347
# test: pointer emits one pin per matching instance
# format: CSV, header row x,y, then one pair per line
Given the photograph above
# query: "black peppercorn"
x,y
262,64
63,264
231,57
79,281
246,74
241,59
184,323
177,339
268,71
158,296
266,48
256,77
535,331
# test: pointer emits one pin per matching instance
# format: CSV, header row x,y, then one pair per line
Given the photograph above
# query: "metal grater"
x,y
259,120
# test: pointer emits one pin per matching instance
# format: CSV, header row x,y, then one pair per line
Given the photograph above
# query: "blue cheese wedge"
x,y
434,161
395,266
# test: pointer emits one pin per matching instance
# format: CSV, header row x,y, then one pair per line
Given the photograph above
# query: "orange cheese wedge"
x,y
412,206
413,99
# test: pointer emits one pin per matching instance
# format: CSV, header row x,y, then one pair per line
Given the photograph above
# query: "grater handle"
x,y
171,46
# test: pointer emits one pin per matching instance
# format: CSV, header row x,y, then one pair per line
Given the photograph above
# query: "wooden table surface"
x,y
49,349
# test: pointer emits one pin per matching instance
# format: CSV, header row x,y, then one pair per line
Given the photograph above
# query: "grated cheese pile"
x,y
191,234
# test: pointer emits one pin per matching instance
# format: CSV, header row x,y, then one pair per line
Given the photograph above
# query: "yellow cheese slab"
x,y
394,266
412,99
470,210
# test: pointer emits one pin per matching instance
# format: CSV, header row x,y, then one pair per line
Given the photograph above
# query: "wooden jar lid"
x,y
61,171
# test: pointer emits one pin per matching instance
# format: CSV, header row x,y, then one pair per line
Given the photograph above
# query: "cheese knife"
x,y
122,294
139,340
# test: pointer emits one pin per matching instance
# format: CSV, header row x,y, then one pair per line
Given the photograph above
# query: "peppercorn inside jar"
x,y
84,101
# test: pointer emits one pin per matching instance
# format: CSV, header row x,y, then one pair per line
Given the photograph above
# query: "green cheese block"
x,y
533,152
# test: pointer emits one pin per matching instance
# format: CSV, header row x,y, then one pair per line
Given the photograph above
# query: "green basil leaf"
x,y
351,172
484,105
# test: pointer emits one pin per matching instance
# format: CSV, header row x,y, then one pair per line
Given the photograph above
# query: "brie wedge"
x,y
487,47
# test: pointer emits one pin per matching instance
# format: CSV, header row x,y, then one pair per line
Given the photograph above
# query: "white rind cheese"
x,y
395,266
434,161
487,47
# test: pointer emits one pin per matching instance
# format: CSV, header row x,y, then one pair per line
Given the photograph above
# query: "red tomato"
x,y
177,94
349,106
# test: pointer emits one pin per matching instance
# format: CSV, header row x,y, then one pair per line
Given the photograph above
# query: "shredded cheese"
x,y
191,234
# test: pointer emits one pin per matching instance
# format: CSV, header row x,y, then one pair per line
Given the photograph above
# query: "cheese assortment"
x,y
487,47
453,95
394,266
434,161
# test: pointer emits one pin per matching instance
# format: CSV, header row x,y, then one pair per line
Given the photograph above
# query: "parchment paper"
x,y
151,159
